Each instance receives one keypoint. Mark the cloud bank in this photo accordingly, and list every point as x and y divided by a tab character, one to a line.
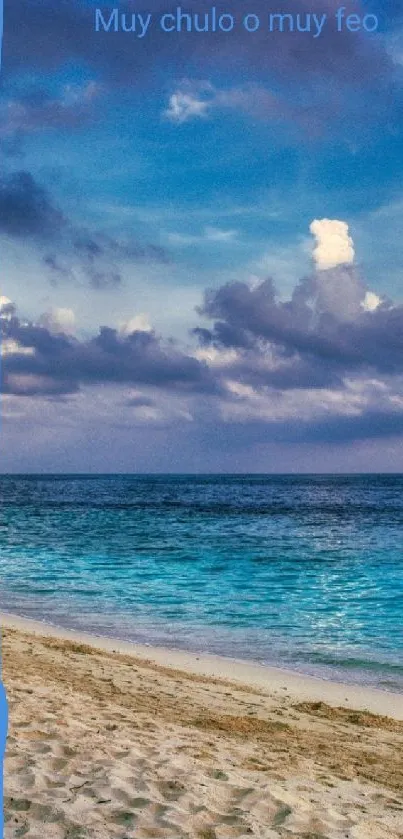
324	365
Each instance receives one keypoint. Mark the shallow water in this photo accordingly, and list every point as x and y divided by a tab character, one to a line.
305	572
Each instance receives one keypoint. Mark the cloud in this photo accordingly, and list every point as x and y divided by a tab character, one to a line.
59	320
6	305
54	35
371	301
308	79
35	109
334	246
184	106
44	359
208	235
200	99
303	369
305	337
69	250
331	325
138	323
25	208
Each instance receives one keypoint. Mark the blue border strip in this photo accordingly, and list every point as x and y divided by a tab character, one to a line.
1	27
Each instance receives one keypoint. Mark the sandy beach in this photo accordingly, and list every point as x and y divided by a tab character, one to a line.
108	739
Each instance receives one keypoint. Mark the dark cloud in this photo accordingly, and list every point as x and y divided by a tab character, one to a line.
55	33
320	336
370	424
27	211
44	386
56	363
310	369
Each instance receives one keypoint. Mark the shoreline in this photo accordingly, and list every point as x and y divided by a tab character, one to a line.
298	687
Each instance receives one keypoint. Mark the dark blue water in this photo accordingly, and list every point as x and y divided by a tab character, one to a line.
305	572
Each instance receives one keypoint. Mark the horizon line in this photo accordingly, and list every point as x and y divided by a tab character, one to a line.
198	474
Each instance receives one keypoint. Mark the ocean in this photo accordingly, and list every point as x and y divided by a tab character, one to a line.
302	572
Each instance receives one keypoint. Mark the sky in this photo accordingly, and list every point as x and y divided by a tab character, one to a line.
201	241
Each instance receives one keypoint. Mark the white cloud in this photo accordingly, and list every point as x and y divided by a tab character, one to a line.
10	347
209	234
4	302
80	95
215	357
186	106
59	320
371	301
215	234
275	406
334	246
139	323
197	99
352	400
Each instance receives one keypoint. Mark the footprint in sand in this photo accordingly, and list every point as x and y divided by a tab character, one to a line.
58	764
17	804
139	803
171	790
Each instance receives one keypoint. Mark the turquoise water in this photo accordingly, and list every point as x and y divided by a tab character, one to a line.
303	572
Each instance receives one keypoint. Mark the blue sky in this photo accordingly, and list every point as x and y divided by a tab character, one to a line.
138	175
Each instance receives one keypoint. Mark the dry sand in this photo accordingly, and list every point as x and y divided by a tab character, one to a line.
107	744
